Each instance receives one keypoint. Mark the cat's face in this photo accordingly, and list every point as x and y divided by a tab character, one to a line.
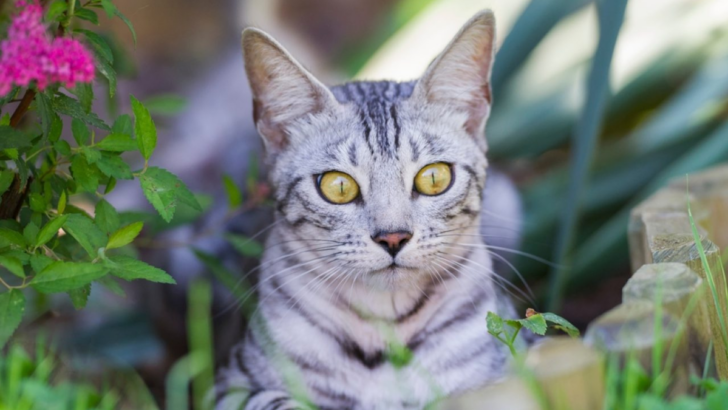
379	180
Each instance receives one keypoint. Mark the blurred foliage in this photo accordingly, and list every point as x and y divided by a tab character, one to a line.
667	119
42	381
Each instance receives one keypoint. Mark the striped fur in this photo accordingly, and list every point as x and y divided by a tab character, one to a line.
333	303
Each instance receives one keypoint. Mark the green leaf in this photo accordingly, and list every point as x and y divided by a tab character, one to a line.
128	24
6	179
100	46
43	106
117	143
30	232
92	155
399	355
39	262
146	132
128	268
494	324
66	105
561	324
123	125
63	147
114	166
234	195
165	104
124	235
246	246
10	237
109	73
107	219
108	7
62	200
88	15
13	265
12	307
37	202
536	323
23	172
109	282
12	138
163	189
63	276
56	10
81	133
83	174
85	94
79	296
5	120
56	128
85	232
110	185
50	230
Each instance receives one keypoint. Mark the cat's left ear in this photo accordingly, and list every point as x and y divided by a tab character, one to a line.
460	76
283	91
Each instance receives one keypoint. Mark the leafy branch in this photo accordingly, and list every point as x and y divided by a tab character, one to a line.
507	330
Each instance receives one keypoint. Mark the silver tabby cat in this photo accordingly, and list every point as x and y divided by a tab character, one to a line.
376	244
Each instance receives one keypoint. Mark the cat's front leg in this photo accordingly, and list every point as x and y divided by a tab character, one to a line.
261	400
273	400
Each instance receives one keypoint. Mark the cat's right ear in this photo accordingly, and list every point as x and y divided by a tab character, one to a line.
283	91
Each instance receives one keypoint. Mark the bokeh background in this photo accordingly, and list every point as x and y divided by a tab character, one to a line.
665	115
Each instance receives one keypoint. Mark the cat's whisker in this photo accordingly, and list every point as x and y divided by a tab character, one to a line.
500	217
294	296
264	264
501	258
304	240
508	250
243	298
502	283
455	277
296	277
529	296
263	230
261	265
434	272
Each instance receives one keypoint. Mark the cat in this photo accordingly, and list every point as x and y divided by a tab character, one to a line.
375	281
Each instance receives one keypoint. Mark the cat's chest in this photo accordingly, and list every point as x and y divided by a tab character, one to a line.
405	382
384	372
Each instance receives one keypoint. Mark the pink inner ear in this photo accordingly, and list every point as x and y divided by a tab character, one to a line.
273	133
478	107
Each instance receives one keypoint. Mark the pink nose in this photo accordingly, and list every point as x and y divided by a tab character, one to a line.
392	242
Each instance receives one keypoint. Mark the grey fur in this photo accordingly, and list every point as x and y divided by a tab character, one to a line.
332	302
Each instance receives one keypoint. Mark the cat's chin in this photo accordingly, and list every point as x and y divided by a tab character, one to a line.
393	277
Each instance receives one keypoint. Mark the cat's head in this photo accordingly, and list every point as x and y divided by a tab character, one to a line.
377	179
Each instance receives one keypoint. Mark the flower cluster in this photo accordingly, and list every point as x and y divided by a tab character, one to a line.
30	54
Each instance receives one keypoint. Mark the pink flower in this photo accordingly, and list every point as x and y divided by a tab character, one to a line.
30	54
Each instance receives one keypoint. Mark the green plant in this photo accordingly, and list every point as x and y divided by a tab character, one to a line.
39	381
49	242
711	277
506	330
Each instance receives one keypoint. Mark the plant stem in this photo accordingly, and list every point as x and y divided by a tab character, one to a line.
71	8
22	108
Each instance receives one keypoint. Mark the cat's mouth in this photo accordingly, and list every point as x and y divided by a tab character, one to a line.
393	268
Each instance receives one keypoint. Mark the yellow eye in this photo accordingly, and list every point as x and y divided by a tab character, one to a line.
338	188
433	179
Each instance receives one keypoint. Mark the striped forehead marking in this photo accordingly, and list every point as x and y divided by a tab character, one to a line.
377	102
